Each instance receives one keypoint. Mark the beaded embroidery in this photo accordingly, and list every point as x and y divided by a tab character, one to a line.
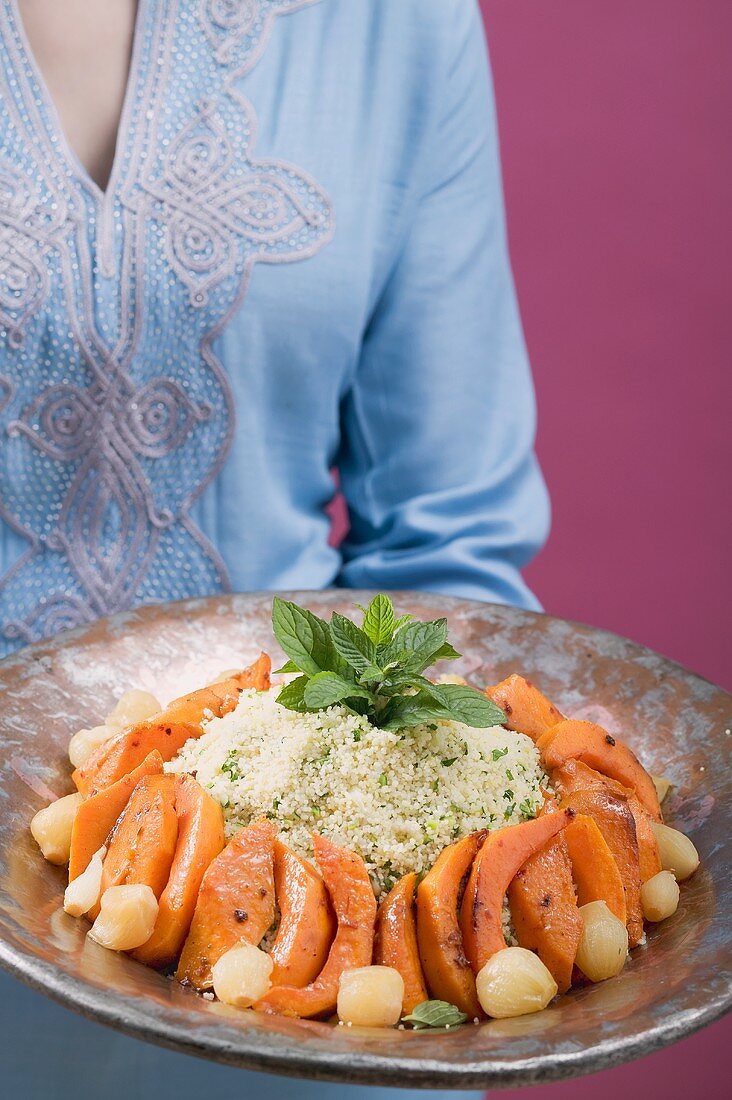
106	441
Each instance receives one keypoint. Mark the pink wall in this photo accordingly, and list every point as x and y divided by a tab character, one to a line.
615	119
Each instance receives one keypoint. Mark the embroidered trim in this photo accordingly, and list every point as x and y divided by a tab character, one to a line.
214	196
239	29
100	472
28	226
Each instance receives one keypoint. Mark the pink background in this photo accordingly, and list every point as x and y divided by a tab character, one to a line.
615	119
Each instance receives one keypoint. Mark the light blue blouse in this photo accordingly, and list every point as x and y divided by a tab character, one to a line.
299	263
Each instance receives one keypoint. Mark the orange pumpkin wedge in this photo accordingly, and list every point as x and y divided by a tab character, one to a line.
352	897
526	709
143	841
97	814
544	909
220	697
500	857
167	732
575	776
594	869
594	746
200	840
615	822
649	858
396	940
236	903
441	950
307	922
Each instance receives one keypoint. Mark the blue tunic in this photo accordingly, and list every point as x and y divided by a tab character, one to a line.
299	263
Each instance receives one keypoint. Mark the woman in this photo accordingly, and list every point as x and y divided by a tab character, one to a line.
245	241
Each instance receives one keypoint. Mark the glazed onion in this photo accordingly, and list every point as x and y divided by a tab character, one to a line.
127	917
370	996
51	828
81	894
514	982
677	852
660	896
242	975
603	947
86	741
132	707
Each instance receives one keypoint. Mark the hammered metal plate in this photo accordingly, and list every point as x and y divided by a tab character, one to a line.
678	724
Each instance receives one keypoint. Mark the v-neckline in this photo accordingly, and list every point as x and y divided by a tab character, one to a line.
53	118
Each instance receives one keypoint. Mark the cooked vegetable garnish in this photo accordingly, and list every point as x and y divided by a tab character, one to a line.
515	852
375	669
434	1014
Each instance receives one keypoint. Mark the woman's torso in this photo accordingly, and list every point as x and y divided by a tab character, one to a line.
173	352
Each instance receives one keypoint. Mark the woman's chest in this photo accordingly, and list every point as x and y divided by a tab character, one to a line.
82	49
241	182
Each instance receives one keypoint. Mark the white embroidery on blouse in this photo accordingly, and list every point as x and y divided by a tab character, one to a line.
115	412
238	29
28	226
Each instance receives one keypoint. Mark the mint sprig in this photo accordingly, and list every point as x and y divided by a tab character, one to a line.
375	669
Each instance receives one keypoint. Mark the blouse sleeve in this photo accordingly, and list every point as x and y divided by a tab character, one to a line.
437	462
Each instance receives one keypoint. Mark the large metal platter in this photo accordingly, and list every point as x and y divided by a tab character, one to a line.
677	723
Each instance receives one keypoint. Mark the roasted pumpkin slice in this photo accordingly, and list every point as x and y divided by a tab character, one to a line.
441	950
649	859
594	870
200	840
576	776
98	814
500	857
167	732
526	709
615	821
236	903
352	897
594	746
544	909
143	841
396	940
221	697
125	752
307	921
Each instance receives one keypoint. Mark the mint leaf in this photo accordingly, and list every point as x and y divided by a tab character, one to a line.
289	666
378	620
423	640
415	645
397	682
304	637
402	622
308	638
435	1014
292	695
353	645
411	710
446	653
471	707
371	672
327	688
